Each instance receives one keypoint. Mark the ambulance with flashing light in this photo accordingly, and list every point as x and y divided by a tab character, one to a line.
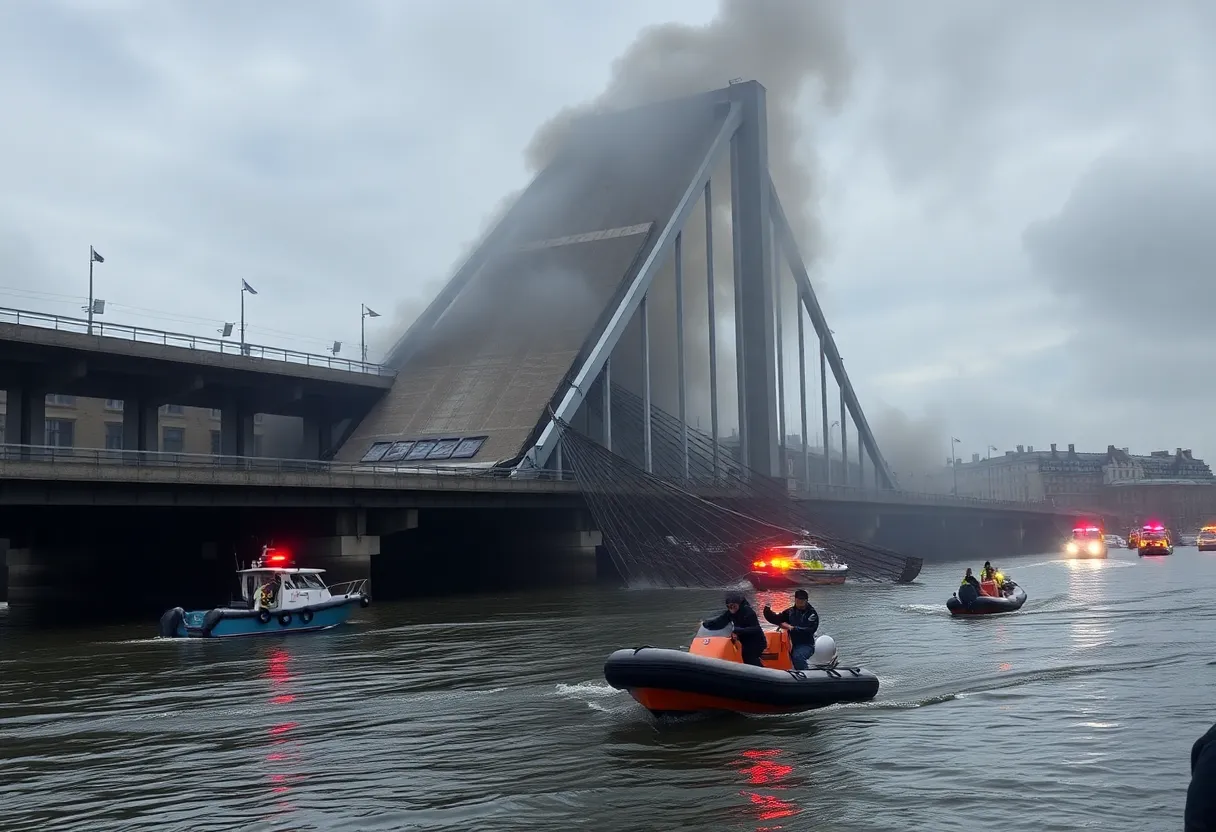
1155	540
1087	541
1206	541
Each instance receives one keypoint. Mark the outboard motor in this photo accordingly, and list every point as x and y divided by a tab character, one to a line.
825	652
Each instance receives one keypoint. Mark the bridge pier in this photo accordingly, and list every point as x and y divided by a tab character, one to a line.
25	415
63	583
236	429
140	424
345	555
318	435
477	550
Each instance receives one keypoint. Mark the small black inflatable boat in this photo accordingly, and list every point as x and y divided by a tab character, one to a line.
986	604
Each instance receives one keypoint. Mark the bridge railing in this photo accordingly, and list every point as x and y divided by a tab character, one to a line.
126	332
878	494
117	458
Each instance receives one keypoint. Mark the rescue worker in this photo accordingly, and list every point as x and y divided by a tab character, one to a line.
1200	812
800	621
968	578
986	574
268	596
747	631
968	590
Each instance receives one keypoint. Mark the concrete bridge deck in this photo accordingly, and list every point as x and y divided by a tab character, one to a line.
60	476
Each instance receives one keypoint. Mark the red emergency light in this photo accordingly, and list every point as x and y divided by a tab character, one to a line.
275	557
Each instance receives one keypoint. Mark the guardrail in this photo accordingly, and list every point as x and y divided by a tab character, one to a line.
126	332
105	457
877	494
109	459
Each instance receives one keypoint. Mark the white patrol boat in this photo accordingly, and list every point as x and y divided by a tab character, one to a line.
276	597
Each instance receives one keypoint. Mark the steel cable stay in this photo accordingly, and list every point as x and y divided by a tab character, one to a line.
660	528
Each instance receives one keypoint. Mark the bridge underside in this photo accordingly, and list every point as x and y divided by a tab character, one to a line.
652	255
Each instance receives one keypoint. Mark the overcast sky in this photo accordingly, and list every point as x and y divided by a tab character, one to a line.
1013	196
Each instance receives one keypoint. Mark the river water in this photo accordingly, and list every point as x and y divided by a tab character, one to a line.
487	712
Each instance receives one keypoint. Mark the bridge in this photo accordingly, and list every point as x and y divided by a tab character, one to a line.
146	368
648	280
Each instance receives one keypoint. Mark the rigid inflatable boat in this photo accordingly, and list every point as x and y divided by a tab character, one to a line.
987	604
711	676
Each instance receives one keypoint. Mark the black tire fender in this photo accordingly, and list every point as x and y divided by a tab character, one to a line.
264	616
365	601
284	618
306	615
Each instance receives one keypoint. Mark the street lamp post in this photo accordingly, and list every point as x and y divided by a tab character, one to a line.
954	463
245	287
94	257
367	313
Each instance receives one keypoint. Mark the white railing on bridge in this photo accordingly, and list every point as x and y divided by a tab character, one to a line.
106	457
165	338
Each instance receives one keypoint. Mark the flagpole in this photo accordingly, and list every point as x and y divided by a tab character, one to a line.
242	317
90	290
363	332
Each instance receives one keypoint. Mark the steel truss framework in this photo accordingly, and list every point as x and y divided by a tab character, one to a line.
764	247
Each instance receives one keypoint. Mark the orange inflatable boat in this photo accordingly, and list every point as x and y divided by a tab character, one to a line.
711	676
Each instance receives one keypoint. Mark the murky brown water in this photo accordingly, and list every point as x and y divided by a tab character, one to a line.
492	713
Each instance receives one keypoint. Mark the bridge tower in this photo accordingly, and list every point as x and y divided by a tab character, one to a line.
605	298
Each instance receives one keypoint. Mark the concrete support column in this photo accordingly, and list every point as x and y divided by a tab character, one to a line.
346	555
25	416
236	430
318	436
48	585
140	425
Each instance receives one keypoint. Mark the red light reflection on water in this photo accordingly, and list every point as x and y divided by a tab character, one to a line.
283	748
761	769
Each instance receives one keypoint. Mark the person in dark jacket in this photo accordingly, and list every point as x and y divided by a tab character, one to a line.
1200	813
800	621
747	627
968	578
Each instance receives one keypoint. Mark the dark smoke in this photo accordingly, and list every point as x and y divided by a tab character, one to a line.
915	448
407	310
797	50
790	46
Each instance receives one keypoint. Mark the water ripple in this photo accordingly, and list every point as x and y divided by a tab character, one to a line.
492	712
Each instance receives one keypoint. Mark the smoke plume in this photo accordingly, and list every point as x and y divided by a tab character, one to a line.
791	47
915	448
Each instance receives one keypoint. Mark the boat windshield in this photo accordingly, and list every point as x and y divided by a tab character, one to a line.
309	582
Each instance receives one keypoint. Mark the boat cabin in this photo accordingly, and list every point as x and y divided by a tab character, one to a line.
281	588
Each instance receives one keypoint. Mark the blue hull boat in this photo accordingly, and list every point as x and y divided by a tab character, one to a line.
229	622
275	599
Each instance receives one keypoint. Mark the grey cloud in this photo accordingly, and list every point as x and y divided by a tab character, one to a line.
977	81
1132	252
1134	234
